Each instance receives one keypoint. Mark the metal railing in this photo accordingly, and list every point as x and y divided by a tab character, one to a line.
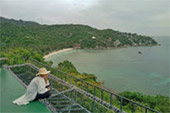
25	78
88	86
80	91
3	61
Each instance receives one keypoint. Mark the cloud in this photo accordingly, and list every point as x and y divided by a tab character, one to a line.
148	17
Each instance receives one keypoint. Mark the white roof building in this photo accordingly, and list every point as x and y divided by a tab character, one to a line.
93	37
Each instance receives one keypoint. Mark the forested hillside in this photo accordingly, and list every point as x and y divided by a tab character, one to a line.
47	38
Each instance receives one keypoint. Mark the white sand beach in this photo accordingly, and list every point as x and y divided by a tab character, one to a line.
56	52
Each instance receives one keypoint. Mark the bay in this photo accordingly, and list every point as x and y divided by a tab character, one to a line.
124	69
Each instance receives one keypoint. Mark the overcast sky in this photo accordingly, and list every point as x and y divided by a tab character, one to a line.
146	17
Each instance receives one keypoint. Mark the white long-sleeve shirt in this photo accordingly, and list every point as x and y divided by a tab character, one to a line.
37	85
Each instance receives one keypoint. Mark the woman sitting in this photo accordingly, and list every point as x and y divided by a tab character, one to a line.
37	89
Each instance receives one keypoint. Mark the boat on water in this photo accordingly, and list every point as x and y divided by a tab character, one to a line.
139	52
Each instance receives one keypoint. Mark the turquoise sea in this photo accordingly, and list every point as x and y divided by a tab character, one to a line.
124	69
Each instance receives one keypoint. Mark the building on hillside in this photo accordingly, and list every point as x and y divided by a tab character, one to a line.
93	37
77	46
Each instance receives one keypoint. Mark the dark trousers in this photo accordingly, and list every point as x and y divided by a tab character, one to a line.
41	96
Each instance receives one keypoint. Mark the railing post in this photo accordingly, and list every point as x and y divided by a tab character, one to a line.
71	94
87	87
75	95
61	87
110	99
94	91
146	110
61	76
133	110
62	84
75	91
121	103
51	83
65	77
70	77
102	94
76	82
57	73
16	60
81	84
93	106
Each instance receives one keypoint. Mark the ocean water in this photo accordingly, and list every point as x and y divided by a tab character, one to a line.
124	69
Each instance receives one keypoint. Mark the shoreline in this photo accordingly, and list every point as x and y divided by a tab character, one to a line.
69	49
56	52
